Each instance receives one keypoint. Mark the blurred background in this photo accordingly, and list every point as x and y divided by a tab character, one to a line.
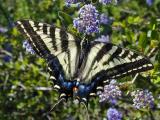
25	89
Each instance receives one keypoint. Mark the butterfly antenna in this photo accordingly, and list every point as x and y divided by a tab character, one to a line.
59	101
86	109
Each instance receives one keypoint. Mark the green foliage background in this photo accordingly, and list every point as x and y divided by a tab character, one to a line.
25	89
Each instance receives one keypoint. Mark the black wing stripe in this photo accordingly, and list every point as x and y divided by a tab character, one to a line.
103	51
125	53
115	54
125	69
129	68
90	60
64	40
22	29
64	47
104	76
36	39
93	65
52	34
45	31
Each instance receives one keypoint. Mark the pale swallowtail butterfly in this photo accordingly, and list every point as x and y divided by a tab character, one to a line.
77	69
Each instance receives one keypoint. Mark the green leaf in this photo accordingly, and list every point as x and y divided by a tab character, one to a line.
154	43
65	18
143	40
156	81
154	34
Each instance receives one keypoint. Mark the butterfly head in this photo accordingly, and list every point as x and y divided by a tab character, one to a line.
80	92
75	91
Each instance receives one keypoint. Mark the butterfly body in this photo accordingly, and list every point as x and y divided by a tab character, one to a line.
80	68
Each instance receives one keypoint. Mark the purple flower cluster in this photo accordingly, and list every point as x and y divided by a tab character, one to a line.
113	114
69	2
3	29
7	58
104	19
111	93
142	99
149	2
28	47
105	1
88	20
103	38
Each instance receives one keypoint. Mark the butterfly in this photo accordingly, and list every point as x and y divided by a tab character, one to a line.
79	68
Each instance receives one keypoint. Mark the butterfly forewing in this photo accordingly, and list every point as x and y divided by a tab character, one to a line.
110	61
48	39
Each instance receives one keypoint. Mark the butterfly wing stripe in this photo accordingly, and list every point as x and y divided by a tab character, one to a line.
45	29
125	53
101	53
90	60
52	35
35	39
118	73
64	40
103	77
67	47
22	30
125	69
105	58
64	47
71	56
